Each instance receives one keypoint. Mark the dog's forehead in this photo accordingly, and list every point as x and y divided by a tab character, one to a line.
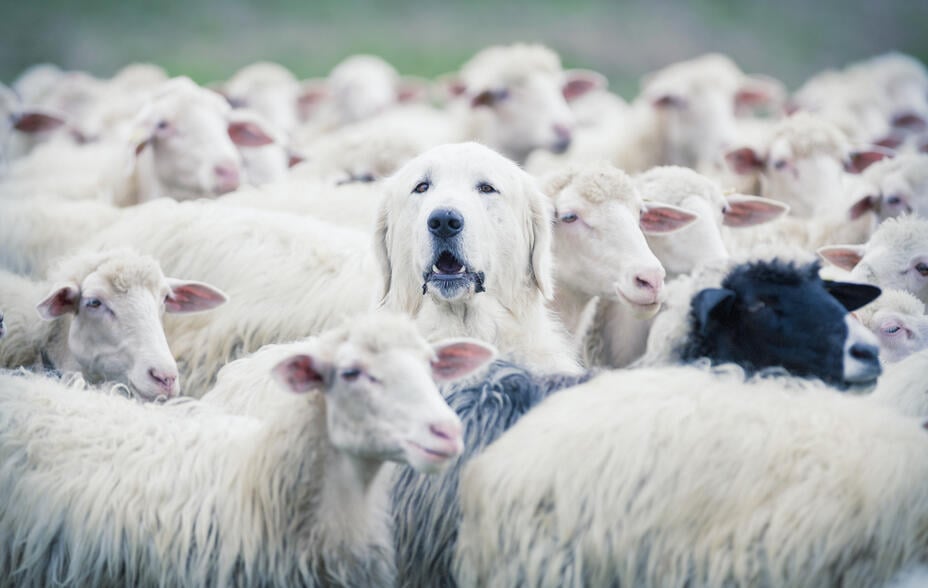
466	162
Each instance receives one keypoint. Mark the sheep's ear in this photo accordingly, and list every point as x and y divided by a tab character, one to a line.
864	205
745	161
541	257
294	158
302	373
382	250
845	257
851	295
668	102
187	296
32	122
62	300
312	93
248	134
579	82
759	90
663	219
711	302
860	159
909	122
747	211
412	89
457	358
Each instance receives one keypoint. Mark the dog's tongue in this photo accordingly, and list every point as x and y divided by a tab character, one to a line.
447	264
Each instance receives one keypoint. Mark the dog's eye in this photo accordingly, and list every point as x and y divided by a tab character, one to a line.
421	187
922	268
485	188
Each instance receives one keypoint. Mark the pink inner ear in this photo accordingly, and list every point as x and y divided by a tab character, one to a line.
248	134
657	219
668	101
192	297
745	161
861	160
62	301
36	122
845	258
747	211
578	84
298	374
863	206
141	146
294	159
456	360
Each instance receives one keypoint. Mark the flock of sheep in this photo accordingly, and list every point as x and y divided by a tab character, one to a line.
274	332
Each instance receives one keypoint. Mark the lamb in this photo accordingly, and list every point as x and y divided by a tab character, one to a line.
899	321
180	145
425	508
487	279
694	477
202	497
102	317
896	256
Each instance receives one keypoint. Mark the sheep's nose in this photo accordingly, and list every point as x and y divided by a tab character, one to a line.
227	178
165	380
445	222
650	281
563	138
865	353
450	431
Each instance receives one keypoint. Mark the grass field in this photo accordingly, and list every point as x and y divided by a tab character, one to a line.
209	39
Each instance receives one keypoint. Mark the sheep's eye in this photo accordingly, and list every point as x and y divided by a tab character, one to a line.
93	303
163	124
893	200
757	306
351	374
892	329
485	188
366	178
421	187
569	217
922	268
779	164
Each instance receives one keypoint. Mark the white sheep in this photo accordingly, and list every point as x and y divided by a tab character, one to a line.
899	321
681	476
269	89
903	386
624	336
100	314
899	186
180	144
896	256
203	497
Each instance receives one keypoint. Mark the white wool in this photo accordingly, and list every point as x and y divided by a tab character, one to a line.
682	476
204	497
903	385
892	256
269	89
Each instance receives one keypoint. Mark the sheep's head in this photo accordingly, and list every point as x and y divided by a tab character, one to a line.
771	314
899	321
115	301
379	378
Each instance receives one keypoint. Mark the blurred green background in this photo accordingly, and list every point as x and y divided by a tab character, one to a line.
210	39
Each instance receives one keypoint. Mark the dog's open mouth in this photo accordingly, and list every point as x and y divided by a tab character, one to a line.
450	277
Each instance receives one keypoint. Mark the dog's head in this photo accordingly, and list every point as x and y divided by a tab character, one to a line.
460	220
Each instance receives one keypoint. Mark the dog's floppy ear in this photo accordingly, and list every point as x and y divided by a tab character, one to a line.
381	252
541	257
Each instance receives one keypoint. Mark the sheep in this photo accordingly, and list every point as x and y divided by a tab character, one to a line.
623	335
599	244
768	313
25	126
425	508
682	476
899	321
896	256
179	145
202	497
269	89
489	280
102	317
900	186
903	386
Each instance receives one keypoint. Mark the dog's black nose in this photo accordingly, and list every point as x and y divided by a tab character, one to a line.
445	222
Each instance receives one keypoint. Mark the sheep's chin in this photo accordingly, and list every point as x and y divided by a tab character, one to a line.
425	458
641	311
